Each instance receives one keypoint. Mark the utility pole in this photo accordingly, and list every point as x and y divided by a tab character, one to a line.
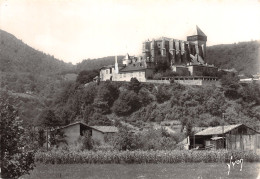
47	141
223	121
194	140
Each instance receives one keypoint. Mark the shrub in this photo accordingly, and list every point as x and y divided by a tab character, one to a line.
157	76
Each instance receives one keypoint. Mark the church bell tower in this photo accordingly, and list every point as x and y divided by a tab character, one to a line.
198	39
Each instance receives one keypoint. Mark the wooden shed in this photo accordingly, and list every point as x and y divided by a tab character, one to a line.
231	137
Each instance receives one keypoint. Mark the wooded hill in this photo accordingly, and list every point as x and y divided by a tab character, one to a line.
16	56
94	64
243	56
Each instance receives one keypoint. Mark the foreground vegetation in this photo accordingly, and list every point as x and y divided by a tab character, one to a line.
151	171
137	157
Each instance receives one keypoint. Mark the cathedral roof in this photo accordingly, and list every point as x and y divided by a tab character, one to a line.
197	31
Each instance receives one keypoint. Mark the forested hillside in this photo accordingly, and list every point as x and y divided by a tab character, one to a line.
24	69
16	56
93	64
243	56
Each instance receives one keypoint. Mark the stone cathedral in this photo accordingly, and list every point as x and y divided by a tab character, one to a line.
177	52
186	58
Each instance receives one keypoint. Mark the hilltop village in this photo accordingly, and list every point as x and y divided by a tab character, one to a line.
186	60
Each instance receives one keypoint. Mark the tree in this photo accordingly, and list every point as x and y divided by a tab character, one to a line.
106	95
230	84
162	94
86	76
16	160
134	85
99	119
125	140
127	103
49	119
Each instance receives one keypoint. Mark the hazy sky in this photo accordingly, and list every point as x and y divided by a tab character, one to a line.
73	30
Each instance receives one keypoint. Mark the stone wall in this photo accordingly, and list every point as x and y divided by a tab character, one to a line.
198	82
139	75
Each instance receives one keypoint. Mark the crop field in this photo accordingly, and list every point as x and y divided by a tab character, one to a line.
150	171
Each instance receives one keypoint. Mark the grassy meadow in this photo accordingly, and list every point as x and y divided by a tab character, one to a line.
151	171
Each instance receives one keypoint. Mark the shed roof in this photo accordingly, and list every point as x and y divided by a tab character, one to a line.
217	130
106	129
77	122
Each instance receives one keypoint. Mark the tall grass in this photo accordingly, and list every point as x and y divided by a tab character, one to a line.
138	156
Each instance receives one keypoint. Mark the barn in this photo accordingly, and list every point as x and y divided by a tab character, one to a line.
231	137
72	132
102	133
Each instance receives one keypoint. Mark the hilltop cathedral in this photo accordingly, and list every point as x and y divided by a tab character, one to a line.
187	58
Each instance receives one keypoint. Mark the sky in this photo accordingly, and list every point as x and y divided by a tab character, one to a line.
73	30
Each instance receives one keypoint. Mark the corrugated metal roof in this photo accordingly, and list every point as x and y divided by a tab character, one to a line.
106	129
217	130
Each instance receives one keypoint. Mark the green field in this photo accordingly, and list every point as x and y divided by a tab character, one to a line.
154	171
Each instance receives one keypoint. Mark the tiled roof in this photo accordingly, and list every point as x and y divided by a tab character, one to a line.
217	130
108	66
112	66
106	129
132	68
